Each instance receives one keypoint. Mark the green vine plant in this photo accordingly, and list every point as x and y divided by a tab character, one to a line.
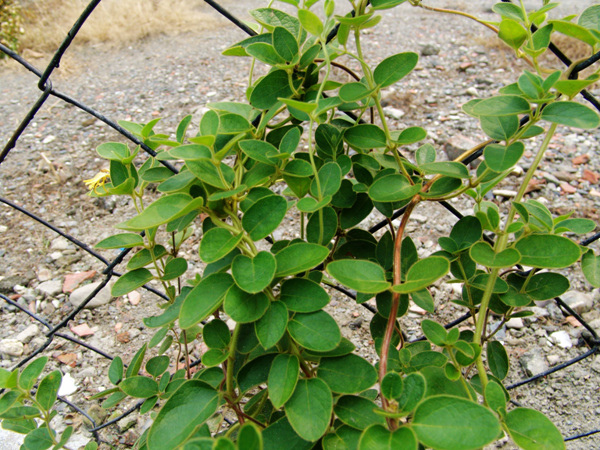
284	375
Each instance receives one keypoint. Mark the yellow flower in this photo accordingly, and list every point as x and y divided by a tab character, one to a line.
98	180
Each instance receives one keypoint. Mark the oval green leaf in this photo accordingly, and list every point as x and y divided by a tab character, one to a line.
454	423
571	114
379	437
501	105
189	407
316	331
217	243
303	295
309	409
531	430
547	251
348	374
204	299
264	216
362	276
483	253
254	274
271	327
243	307
422	274
392	188
394	68
123	240
131	281
365	136
299	257
283	377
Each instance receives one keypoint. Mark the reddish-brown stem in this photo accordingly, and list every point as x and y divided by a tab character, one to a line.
391	323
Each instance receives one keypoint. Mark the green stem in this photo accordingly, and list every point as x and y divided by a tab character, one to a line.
231	362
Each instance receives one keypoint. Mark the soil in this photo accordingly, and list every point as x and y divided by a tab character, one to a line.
171	76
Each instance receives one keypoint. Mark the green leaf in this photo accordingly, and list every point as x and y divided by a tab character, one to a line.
269	89
454	423
298	258
285	43
217	243
410	135
386	4
483	253
365	136
353	92
48	389
434	332
174	269
30	374
500	128
303	295
281	431
422	274
114	151
145	257
260	151
497	359
500	158
139	387
38	439
357	412
447	168
188	407
510	11
466	232
254	274
249	438
495	397
512	32
188	152
590	266
571	114
216	334
316	331
547	285
394	68
265	52
271	327
578	226
547	251
423	299
157	366
392	188
501	105
330	180
362	276
136	362
392	385
243	307
255	372
204	299
131	281
573	30
264	216
322	226
425	154
309	409
283	377
310	22
531	430
571	88
220	176
123	240
379	437
115	371
163	210
348	374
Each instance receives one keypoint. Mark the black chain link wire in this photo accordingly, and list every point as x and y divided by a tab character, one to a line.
54	331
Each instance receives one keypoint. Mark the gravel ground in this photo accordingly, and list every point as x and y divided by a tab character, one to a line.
170	77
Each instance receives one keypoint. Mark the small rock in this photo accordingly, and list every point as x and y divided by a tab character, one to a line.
7	284
11	347
126	423
591	177
533	362
430	50
580	302
393	113
457	145
82	330
506	193
553	359
515	322
80	294
3	228
50	288
68	385
134	298
581	159
60	243
97	413
56	256
473	91
44	274
87	372
28	333
567	188
561	338
72	280
48	139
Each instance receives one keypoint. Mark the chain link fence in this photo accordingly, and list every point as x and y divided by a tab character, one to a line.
58	330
